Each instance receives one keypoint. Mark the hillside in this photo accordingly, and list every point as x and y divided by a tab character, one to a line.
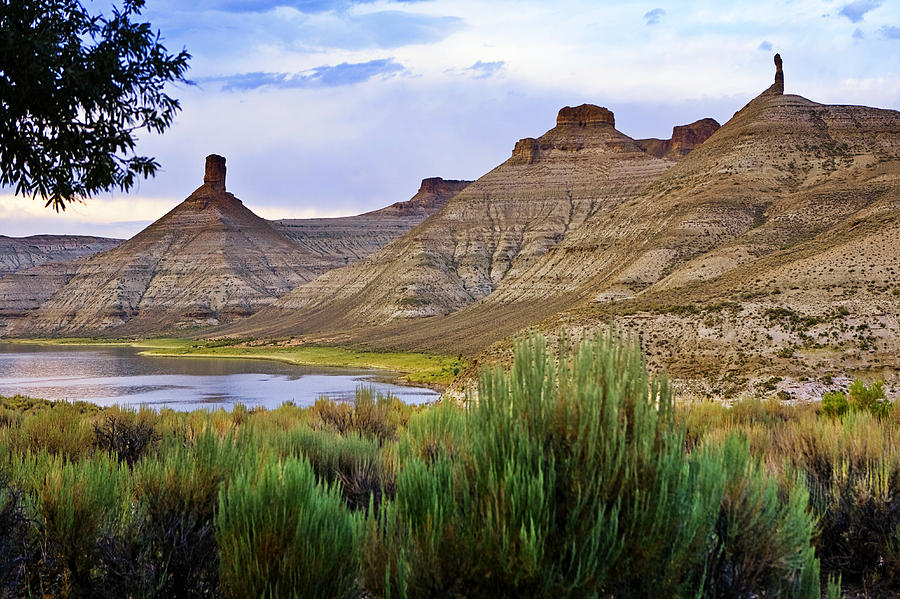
207	262
496	229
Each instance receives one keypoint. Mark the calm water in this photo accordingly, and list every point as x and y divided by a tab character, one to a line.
119	375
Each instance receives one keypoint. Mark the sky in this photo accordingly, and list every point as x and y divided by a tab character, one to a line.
337	107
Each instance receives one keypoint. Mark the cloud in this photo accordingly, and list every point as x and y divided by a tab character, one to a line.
483	70
227	36
323	76
390	29
766	45
858	34
890	32
856	11
251	6
653	16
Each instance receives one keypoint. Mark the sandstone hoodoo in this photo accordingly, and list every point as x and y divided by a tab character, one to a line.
208	261
777	88
684	139
214	178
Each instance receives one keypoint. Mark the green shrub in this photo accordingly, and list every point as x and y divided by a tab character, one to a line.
282	535
77	504
357	462
835	404
762	541
369	415
174	537
59	430
567	486
17	547
871	398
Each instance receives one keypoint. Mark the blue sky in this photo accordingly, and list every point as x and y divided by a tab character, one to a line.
333	107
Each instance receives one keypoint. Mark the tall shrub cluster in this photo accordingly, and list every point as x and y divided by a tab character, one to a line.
572	481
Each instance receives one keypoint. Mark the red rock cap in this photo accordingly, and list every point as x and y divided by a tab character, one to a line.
215	172
586	114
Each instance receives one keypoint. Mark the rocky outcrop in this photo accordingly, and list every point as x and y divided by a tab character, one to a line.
208	261
20	253
684	139
433	193
525	151
585	115
340	241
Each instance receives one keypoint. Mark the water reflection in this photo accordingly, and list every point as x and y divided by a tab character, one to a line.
119	375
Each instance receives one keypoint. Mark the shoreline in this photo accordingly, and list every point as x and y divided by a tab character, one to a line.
433	371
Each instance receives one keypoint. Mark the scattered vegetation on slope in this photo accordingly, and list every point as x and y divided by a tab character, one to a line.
575	477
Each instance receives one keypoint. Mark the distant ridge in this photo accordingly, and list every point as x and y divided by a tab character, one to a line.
19	253
340	241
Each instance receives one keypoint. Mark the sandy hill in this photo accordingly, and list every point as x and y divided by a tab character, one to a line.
495	230
209	260
19	253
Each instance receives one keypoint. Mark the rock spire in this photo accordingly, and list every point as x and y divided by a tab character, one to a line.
776	88
215	172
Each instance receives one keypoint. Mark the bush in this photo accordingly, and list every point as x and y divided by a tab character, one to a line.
126	436
567	486
357	462
834	404
368	416
17	548
761	539
78	503
282	535
59	430
871	398
174	538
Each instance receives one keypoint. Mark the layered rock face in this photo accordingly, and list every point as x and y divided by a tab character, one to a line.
496	228
340	241
685	138
759	184
208	261
20	253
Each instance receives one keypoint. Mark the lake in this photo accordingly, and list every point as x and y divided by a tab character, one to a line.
121	376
